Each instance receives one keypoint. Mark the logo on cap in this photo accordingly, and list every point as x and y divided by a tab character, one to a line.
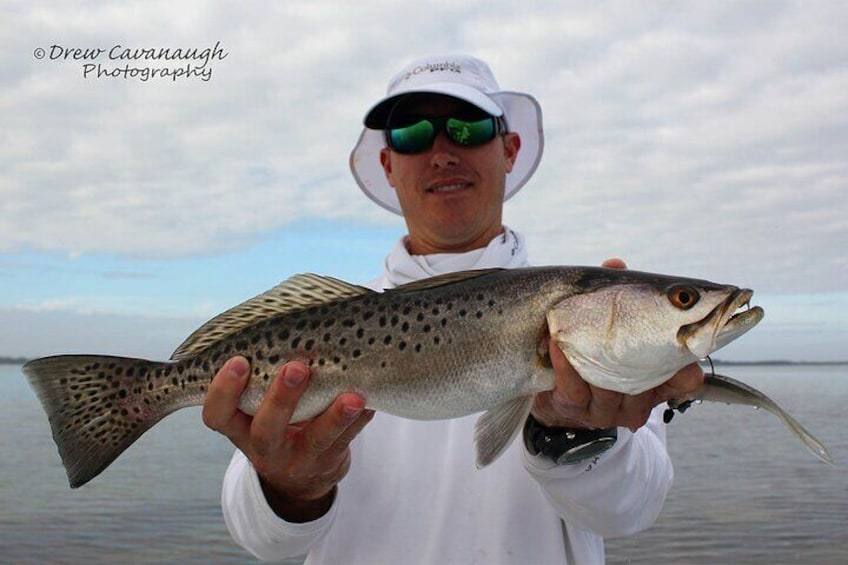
447	66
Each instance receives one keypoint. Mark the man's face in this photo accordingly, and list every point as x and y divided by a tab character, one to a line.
451	196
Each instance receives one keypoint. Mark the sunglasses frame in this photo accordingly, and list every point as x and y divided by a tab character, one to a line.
440	125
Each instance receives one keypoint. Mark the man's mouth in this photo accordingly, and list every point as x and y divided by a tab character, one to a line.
448	187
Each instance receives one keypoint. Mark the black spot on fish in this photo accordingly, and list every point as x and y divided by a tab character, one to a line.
329	322
387	340
462	312
309	344
417	348
273	359
383	321
426	328
314	324
360	333
284	335
295	342
356	353
402	345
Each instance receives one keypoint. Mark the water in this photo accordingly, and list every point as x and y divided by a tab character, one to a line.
745	491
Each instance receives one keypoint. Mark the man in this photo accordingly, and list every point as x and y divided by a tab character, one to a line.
445	148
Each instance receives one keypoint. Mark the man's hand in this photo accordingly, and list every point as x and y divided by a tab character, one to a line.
574	403
299	464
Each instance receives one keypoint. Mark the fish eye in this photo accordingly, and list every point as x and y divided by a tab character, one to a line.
683	296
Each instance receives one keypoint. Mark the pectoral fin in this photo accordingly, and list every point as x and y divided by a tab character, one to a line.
496	429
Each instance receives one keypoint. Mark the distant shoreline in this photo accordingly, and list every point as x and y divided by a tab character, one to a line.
716	362
13	360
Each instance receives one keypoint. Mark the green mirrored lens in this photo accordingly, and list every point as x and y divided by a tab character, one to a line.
414	138
470	133
419	136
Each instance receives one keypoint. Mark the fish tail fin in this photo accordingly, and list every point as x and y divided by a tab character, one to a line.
97	407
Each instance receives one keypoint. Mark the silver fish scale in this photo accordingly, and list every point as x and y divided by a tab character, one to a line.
426	354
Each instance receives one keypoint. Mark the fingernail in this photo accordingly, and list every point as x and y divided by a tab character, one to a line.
352	412
238	367
294	376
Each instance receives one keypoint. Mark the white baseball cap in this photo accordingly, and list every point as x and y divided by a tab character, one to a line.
463	77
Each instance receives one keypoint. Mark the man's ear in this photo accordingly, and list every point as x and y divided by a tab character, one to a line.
386	163
512	145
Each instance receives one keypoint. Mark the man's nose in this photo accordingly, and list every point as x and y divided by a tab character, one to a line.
443	152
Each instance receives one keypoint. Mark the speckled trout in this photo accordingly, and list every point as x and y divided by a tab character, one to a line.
439	348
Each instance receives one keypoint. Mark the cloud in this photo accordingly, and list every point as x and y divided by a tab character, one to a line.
700	139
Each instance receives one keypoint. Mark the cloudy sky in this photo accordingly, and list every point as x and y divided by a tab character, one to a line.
705	139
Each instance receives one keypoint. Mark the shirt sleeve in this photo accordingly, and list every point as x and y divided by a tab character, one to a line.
254	525
618	493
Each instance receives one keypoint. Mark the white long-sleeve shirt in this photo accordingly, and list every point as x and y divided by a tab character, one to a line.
414	495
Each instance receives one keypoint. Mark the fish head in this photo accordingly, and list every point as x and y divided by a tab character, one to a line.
633	334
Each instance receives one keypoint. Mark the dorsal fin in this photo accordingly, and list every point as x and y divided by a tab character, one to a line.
296	293
442	280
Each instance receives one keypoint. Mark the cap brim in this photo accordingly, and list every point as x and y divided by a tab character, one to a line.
378	115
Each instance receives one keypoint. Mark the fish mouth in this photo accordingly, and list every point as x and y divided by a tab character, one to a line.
726	322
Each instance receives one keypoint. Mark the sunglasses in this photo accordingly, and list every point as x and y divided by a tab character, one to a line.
419	136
